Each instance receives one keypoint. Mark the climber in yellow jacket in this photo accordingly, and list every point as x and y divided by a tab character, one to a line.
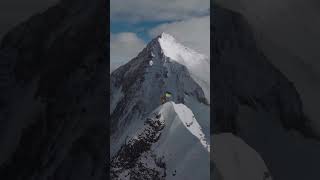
164	98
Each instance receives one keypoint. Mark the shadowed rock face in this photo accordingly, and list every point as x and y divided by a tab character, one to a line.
256	102
143	86
243	75
129	161
53	101
288	36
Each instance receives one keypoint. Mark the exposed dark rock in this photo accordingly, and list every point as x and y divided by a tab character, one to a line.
55	115
142	86
127	160
256	102
243	75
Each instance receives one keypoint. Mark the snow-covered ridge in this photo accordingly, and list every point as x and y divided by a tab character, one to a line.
168	146
198	64
190	122
149	137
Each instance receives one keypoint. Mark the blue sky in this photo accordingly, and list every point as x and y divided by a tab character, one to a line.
135	22
140	28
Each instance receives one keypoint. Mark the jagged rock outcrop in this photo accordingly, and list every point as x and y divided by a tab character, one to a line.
134	157
53	124
169	145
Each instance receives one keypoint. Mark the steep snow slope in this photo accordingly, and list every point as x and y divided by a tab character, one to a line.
189	121
235	160
197	64
288	154
171	145
137	86
154	141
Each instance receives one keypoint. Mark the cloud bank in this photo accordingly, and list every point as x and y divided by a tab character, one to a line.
146	10
123	47
187	20
193	33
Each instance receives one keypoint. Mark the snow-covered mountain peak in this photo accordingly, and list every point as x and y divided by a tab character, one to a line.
164	133
167	36
163	55
176	51
170	50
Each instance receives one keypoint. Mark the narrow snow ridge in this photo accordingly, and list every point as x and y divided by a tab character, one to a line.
189	121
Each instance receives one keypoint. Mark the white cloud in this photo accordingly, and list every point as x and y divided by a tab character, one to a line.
123	47
193	33
142	10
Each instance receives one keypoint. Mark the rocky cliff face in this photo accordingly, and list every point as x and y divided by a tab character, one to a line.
137	86
243	75
170	145
255	101
53	94
288	36
152	140
135	159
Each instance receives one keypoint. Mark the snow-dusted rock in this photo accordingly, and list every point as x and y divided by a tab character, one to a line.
172	151
136	87
164	148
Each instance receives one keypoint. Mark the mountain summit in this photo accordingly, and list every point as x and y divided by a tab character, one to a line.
197	64
164	67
